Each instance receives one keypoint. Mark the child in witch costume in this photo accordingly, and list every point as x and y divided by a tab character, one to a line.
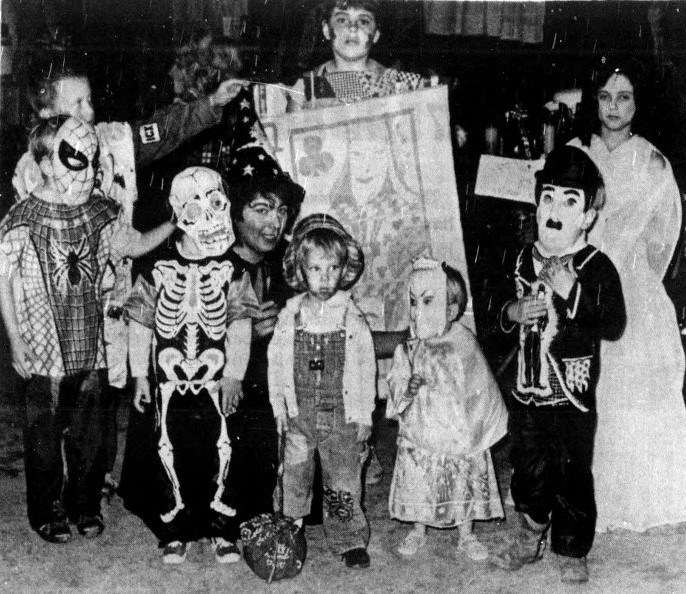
568	298
450	412
265	202
322	382
195	314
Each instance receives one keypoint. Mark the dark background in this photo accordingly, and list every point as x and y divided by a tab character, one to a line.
128	48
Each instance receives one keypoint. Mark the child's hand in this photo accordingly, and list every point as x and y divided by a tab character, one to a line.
226	91
281	423
559	277
232	394
141	394
264	320
416	382
527	310
22	357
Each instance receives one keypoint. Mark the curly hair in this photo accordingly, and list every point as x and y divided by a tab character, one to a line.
281	186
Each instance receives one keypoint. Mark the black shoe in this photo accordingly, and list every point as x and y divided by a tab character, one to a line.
57	532
357	558
528	547
90	526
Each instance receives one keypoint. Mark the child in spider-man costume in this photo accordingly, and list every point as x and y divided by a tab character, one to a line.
54	247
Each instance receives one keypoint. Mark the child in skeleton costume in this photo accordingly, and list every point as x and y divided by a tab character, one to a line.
450	412
568	298
54	247
197	320
322	382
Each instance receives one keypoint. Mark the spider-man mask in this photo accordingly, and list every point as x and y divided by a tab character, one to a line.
202	209
74	160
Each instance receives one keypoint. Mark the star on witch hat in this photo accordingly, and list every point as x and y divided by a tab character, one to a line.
252	165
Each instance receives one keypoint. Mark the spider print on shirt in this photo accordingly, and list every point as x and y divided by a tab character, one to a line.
72	265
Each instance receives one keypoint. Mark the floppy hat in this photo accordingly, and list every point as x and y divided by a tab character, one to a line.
354	261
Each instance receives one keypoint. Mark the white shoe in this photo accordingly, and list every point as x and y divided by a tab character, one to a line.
472	548
175	552
224	550
414	541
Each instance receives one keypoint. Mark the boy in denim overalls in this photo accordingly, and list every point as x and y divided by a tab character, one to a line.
322	382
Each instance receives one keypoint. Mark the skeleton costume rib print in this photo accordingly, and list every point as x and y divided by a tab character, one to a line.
190	302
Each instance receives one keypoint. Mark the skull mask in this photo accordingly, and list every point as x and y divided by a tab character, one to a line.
428	299
74	160
202	209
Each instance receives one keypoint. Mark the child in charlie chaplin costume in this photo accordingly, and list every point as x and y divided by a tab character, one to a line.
568	298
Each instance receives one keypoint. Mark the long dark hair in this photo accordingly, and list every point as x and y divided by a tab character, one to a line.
588	109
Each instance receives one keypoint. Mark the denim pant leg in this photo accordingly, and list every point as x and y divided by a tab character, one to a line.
345	524
298	465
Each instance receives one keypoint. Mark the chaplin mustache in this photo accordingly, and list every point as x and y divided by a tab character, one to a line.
553	224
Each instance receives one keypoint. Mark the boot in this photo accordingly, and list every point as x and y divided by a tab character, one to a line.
573	570
528	547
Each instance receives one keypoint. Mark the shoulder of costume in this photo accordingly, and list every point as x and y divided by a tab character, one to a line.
19	214
318	70
293	304
239	264
585	255
594	257
460	330
105	205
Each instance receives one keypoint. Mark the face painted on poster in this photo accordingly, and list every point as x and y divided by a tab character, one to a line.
202	209
428	301
369	161
75	160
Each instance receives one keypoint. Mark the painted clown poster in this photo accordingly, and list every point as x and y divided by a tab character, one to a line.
384	168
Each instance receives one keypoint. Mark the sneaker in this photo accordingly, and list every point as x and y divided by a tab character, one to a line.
224	550
357	558
573	570
472	548
174	552
57	532
414	541
90	526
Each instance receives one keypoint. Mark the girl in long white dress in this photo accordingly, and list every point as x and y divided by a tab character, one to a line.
640	454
